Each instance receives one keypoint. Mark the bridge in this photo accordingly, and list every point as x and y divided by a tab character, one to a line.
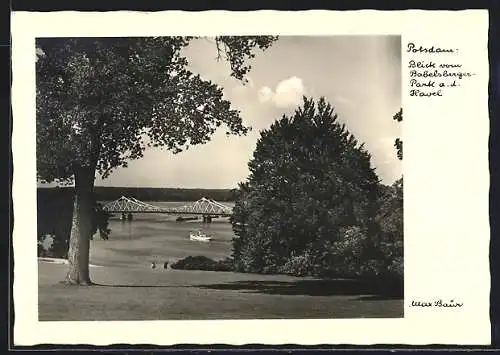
205	207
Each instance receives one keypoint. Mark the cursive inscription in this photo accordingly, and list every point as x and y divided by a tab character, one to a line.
437	304
413	48
433	76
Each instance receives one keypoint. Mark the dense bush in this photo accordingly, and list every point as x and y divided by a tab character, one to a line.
298	265
203	263
390	221
54	218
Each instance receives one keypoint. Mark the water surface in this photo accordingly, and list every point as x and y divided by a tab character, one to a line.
156	236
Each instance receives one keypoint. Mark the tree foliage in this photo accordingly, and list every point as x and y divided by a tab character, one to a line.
102	101
398	144
390	218
310	180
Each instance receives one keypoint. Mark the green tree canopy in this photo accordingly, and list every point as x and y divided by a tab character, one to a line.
309	181
102	101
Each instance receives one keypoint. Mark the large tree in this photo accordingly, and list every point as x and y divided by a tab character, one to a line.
102	101
310	181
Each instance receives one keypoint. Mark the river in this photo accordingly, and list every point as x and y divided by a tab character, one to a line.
159	237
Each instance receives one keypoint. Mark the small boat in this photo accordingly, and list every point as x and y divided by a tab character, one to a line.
199	236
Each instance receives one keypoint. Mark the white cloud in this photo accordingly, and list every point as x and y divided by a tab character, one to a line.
288	93
265	94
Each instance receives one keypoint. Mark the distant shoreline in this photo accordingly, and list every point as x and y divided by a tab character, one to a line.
156	194
51	186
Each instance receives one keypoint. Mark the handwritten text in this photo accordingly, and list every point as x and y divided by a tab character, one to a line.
436	304
431	76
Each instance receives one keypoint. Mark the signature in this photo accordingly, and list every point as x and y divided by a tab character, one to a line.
438	304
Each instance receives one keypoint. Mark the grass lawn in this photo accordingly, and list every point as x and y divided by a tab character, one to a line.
130	290
139	293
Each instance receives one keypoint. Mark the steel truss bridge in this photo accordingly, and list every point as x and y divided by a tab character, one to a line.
204	206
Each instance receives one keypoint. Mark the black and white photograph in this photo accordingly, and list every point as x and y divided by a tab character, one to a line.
237	178
227	177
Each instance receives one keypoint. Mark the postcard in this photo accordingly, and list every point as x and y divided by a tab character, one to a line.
239	178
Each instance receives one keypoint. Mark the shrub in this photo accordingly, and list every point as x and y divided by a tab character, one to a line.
396	268
203	263
45	246
41	251
390	220
300	265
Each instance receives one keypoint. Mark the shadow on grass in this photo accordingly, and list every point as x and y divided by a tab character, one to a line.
367	290
380	297
139	286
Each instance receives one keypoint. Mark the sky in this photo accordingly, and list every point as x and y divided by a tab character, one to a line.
359	75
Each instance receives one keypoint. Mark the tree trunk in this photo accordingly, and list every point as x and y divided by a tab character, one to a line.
81	228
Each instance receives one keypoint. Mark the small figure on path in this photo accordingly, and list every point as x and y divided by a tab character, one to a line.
165	266
154	261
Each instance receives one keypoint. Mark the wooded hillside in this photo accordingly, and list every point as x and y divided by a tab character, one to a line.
156	194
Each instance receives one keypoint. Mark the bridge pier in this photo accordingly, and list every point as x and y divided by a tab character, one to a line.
126	216
207	219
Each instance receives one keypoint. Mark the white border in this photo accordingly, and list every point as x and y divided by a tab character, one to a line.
446	182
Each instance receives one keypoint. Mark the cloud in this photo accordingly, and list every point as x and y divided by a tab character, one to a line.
265	94
288	93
